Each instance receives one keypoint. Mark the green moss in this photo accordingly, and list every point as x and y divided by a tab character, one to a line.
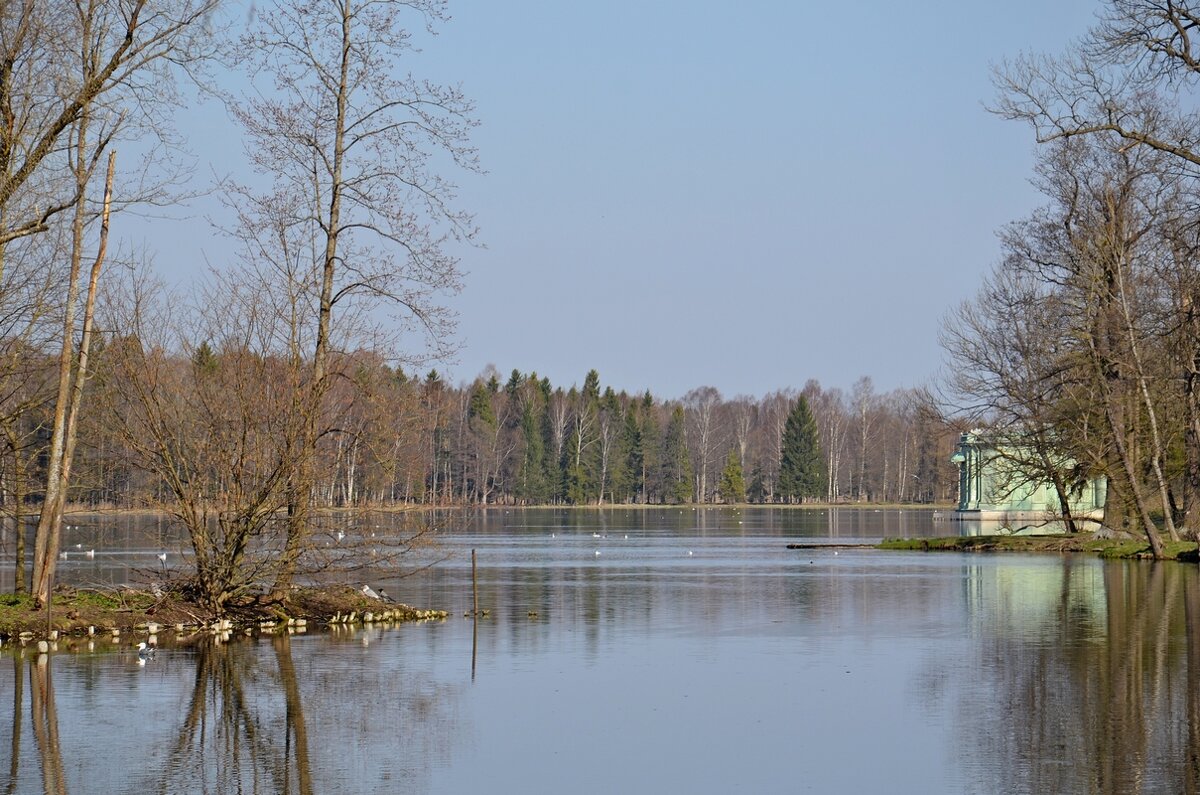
1116	549
93	599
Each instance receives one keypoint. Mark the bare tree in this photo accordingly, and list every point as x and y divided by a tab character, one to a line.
1120	82
701	404
72	375
212	423
351	146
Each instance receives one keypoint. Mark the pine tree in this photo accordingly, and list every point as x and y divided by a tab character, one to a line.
531	481
204	359
635	480
676	463
801	465
757	492
732	487
651	440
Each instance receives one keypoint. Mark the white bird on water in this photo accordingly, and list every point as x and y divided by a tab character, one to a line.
91	553
162	558
145	652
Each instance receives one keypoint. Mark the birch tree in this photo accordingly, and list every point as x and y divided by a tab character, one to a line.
701	404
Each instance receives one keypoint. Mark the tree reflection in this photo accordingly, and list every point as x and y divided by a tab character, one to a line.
43	717
14	765
1093	693
222	740
45	726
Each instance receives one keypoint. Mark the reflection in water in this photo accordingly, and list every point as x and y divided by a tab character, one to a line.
14	764
746	667
1084	679
45	726
226	717
221	743
43	716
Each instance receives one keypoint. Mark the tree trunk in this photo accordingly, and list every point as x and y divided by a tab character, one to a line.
70	391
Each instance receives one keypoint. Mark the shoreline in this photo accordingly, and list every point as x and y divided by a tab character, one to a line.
80	510
1107	548
130	614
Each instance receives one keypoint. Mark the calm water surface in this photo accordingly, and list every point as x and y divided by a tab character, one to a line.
694	653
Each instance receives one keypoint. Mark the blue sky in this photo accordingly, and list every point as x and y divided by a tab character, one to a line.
697	193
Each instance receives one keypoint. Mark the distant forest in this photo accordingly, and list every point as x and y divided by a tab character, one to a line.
394	439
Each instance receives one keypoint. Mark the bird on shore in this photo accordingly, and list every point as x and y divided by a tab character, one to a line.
384	596
369	592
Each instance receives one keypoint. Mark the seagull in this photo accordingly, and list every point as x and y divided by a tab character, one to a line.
91	553
145	652
368	592
689	553
62	555
597	552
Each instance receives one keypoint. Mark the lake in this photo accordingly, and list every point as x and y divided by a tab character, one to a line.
655	651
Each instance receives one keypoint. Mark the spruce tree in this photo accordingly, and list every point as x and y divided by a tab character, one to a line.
757	492
801	465
676	463
531	481
732	487
651	448
635	481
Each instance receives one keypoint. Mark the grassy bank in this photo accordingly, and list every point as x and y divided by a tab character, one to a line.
131	612
1105	548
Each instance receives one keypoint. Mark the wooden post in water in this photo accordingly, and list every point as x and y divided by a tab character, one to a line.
474	588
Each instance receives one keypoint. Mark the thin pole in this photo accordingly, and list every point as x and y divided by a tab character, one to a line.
474	646
474	588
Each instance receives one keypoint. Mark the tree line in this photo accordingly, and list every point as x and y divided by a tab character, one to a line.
391	439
